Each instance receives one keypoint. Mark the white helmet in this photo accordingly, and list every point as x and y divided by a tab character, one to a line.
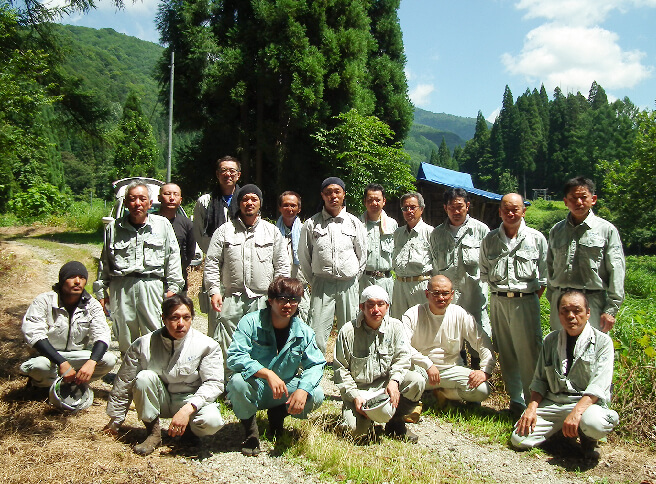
379	408
69	396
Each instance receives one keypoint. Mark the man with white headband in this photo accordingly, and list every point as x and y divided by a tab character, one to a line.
371	354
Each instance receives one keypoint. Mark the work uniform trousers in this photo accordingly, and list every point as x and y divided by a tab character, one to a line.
330	299
136	308
596	300
249	396
406	295
412	387
153	400
386	283
304	305
596	422
454	383
517	337
43	372
234	308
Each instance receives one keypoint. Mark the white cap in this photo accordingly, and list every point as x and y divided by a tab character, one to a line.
374	292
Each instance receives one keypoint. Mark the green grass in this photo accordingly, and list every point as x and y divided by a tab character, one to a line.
542	214
483	422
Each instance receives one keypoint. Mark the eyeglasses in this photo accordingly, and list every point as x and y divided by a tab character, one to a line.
437	294
293	300
409	209
229	171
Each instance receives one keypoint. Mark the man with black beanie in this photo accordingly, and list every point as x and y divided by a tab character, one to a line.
62	325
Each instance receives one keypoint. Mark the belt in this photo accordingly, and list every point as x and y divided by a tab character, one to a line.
139	275
584	291
377	274
514	294
422	277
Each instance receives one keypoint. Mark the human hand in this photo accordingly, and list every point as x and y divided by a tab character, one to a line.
112	427
296	402
526	423
85	373
433	375
606	322
217	302
476	377
169	294
278	386
358	406
180	420
393	391
571	424
67	372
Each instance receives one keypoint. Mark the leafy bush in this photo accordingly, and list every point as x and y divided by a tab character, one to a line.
39	201
82	216
640	281
544	214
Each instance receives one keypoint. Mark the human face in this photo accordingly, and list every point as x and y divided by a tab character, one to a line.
573	314
138	203
284	306
439	294
228	174
333	198
289	208
374	203
249	205
512	210
73	286
170	196
178	322
457	210
374	311
579	201
411	211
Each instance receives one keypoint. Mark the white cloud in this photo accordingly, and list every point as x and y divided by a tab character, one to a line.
572	57
420	94
493	115
408	73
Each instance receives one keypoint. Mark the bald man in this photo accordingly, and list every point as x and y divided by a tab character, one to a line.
170	197
513	262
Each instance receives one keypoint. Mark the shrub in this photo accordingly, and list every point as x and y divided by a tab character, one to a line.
39	201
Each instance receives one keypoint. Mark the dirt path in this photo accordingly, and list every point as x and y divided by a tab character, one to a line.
34	270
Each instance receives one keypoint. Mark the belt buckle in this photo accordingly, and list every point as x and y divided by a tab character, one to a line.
510	294
378	274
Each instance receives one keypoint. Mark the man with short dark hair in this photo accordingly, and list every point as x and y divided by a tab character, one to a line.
455	248
412	256
139	265
62	325
572	382
380	240
244	256
333	254
210	212
513	263
585	252
170	197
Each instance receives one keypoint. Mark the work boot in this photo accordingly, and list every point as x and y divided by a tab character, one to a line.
276	419
589	447
413	416
251	444
153	438
396	427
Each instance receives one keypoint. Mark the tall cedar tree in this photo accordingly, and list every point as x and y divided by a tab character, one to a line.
136	148
257	78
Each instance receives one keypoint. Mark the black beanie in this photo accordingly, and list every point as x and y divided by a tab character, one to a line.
250	188
72	269
333	180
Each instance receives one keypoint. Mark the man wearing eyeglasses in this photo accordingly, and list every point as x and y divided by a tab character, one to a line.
268	349
513	262
211	211
411	257
436	331
244	256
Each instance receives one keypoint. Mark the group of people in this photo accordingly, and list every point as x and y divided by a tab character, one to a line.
410	305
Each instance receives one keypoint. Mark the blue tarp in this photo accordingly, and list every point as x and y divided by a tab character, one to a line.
450	178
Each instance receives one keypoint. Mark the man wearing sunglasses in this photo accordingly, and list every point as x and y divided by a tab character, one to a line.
436	331
268	349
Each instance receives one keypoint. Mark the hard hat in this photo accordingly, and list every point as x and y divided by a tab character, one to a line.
70	396
379	408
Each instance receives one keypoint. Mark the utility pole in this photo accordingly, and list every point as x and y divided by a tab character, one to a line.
168	161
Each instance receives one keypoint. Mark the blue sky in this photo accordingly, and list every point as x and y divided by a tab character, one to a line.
461	54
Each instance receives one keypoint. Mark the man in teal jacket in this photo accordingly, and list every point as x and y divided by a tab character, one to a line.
268	348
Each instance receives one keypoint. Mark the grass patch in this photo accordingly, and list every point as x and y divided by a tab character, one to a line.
485	423
543	214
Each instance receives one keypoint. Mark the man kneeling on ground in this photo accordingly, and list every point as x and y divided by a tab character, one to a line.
60	325
436	331
371	353
268	349
571	386
175	371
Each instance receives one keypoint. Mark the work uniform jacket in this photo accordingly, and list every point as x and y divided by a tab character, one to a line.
412	255
190	365
47	319
380	242
254	347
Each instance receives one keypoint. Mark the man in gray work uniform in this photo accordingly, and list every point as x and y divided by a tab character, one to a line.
585	253
455	248
513	262
380	240
139	264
